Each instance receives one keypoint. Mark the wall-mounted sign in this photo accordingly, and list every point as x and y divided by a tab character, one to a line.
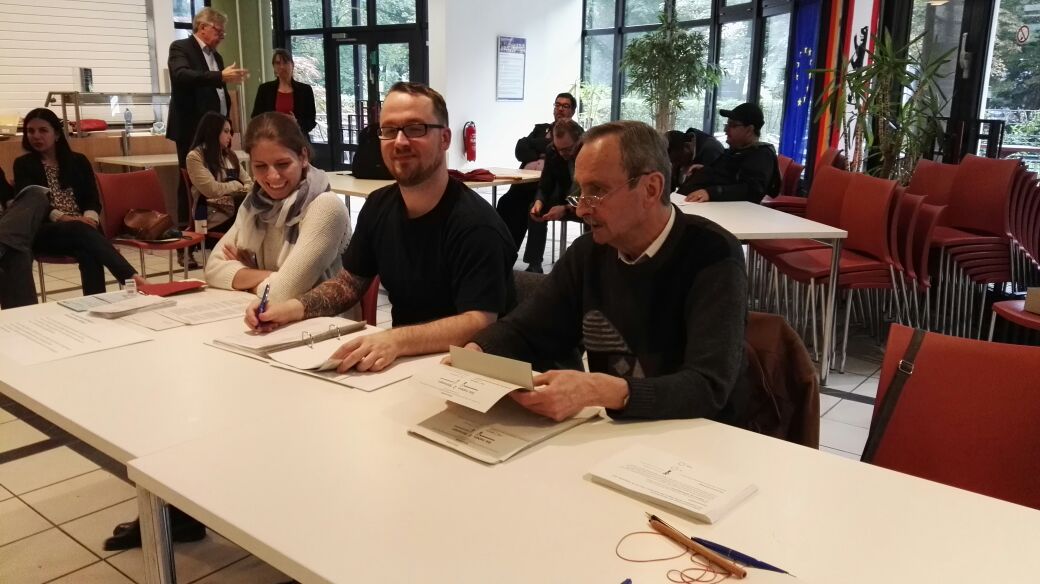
512	58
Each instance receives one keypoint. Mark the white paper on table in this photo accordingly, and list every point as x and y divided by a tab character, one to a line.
153	320
85	303
131	305
684	487
402	368
498	434
49	338
680	200
203	309
474	379
318	356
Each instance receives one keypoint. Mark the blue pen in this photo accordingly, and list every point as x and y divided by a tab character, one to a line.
263	301
734	555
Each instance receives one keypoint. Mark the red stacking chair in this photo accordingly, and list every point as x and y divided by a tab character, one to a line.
866	258
788	202
47	259
370	301
973	245
1013	311
965	415
918	251
933	180
121	192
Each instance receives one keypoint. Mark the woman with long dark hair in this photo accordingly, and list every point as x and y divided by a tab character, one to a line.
218	180
71	227
291	228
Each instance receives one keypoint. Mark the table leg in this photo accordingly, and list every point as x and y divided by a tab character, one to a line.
828	315
494	196
155	539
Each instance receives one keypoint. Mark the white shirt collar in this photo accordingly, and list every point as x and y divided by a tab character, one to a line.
205	50
657	243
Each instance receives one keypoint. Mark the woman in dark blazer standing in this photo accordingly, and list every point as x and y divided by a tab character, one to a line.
286	95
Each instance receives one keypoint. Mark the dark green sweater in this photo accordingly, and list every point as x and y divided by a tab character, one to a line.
672	326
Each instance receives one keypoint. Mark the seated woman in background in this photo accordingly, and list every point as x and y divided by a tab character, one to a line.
285	94
218	181
71	227
291	229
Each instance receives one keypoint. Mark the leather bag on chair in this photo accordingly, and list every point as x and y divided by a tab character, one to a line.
146	225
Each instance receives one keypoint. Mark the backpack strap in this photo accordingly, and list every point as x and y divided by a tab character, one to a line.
888	403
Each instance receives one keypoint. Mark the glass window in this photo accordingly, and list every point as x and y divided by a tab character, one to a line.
309	57
734	58
643	12
633	106
1011	90
692	113
943	23
393	66
597	76
774	75
182	11
352	90
692	9
181	33
349	13
395	11
735	2
304	14
599	13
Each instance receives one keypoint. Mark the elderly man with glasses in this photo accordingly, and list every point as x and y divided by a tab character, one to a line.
443	255
655	296
198	84
746	171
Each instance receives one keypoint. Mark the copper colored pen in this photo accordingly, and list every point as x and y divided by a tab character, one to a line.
677	536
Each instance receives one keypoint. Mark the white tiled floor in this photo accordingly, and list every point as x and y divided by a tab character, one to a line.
57	507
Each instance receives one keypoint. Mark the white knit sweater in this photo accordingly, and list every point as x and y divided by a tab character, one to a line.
324	232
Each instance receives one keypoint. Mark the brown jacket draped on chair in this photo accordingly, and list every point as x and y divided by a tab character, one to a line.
785	394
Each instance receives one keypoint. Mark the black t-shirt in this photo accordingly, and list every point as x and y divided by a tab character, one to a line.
457	257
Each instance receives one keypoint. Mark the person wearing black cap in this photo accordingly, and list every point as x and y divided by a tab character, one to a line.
746	171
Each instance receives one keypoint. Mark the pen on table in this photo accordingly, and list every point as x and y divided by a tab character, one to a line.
736	556
677	536
263	301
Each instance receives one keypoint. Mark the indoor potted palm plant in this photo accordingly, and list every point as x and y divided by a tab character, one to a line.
666	65
890	107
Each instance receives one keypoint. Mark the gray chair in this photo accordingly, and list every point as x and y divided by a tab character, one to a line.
526	283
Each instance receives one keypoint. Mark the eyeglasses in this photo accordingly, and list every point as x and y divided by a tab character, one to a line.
591	200
217	29
734	125
561	105
410	131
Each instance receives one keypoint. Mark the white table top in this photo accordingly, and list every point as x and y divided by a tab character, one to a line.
151	160
748	221
345	184
134	400
343	494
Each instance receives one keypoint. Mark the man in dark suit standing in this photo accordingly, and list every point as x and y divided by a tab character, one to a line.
199	85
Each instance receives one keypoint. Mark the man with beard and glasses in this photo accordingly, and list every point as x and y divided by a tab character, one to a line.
442	252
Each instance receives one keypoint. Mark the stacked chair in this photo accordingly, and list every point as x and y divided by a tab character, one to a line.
788	201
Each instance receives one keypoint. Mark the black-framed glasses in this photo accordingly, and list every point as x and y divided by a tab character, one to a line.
592	199
562	105
410	131
735	125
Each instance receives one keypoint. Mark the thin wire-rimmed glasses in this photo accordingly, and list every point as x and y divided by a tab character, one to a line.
592	200
411	131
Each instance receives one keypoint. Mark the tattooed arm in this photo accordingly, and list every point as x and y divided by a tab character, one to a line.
328	299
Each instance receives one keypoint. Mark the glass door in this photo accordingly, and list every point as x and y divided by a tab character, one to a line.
368	68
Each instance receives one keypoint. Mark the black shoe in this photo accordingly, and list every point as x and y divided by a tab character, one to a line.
535	268
128	535
192	263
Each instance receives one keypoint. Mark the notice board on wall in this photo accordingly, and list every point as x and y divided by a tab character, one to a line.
512	60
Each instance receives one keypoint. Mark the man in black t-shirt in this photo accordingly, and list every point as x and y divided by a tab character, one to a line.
442	253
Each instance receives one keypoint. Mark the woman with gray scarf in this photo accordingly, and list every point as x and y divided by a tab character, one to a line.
291	229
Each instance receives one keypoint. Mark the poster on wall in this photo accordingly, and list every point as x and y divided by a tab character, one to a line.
512	58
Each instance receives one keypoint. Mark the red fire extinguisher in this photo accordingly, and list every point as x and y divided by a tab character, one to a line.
469	141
